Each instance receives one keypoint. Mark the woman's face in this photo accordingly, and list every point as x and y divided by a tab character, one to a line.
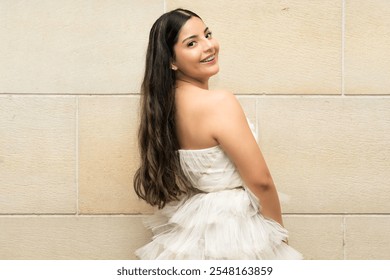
196	52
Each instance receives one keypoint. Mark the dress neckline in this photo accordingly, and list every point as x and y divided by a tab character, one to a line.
200	150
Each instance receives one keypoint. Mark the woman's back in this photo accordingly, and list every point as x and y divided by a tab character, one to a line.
194	120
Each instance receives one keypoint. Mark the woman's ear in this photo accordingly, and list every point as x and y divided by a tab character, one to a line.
173	66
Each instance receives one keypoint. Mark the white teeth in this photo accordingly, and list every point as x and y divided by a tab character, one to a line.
208	59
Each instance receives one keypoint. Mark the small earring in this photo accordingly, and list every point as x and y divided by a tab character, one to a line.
174	68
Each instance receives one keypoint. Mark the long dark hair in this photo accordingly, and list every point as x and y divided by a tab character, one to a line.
159	178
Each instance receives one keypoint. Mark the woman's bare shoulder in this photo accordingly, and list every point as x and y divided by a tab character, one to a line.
223	102
222	95
205	101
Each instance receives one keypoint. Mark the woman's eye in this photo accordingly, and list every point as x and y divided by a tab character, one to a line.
209	35
191	44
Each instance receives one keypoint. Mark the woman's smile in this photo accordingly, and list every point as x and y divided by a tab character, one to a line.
211	59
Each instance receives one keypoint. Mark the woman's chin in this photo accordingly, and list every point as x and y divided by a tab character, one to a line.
214	71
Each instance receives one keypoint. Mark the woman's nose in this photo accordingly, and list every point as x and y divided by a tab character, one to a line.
208	45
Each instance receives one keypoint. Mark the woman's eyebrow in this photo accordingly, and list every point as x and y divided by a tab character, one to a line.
194	36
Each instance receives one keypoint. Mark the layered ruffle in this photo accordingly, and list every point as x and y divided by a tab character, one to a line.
216	225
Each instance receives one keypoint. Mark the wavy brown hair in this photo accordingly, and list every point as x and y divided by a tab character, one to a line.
160	179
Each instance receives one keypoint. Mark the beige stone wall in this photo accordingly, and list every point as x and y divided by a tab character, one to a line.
313	76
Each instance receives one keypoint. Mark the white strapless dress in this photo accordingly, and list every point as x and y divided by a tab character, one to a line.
224	222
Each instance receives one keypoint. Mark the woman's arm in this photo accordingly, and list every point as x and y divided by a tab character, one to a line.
232	131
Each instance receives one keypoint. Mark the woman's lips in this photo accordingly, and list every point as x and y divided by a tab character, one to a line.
209	59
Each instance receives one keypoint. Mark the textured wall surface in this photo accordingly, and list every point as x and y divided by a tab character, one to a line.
313	76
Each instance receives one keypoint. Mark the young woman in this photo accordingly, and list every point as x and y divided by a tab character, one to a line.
200	162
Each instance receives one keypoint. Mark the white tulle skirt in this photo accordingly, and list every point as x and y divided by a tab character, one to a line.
218	225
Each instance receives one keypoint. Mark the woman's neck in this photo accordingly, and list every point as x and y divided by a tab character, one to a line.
185	81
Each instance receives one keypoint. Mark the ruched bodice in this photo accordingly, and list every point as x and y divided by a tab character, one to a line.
209	169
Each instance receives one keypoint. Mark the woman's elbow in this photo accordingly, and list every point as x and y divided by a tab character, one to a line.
264	184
